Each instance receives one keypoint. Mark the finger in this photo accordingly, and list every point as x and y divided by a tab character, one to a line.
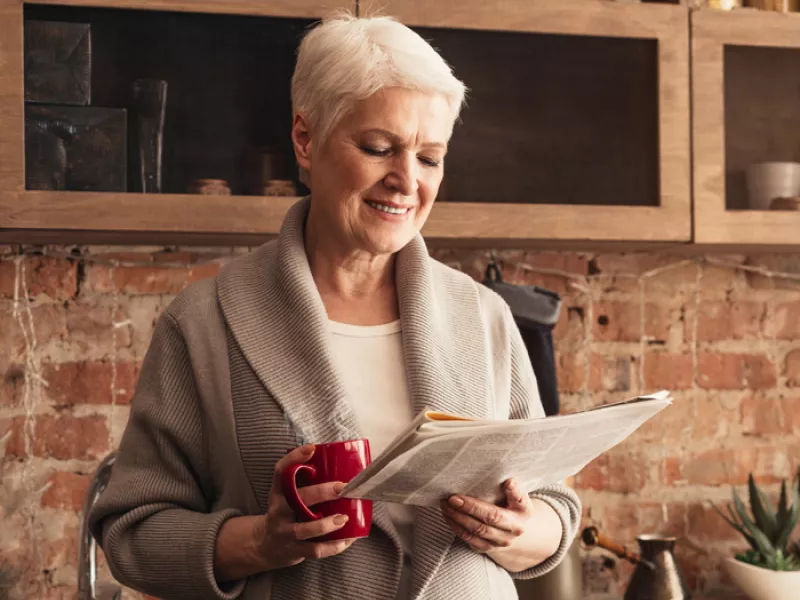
326	549
482	511
517	500
476	543
300	454
313	529
322	492
499	538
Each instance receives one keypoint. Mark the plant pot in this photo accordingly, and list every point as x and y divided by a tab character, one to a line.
763	584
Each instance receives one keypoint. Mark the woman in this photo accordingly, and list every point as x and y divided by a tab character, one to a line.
341	328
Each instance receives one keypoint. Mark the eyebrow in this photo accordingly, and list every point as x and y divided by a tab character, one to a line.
396	138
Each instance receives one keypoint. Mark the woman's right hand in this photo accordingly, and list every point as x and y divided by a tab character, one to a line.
281	540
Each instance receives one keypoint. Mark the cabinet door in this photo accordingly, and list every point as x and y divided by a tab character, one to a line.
577	122
746	76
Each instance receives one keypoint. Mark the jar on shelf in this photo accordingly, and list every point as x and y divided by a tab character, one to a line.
280	187
209	187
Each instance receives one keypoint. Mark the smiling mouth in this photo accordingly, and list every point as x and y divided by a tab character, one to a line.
392	210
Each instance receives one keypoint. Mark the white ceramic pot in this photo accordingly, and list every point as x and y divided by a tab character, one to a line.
764	584
769	180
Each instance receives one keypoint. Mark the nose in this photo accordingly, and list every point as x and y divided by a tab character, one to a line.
403	175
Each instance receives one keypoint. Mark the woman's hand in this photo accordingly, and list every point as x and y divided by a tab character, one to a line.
254	544
518	536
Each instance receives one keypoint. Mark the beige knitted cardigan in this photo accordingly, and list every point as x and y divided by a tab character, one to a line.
239	371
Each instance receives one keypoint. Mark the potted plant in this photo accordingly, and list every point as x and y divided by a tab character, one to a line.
770	569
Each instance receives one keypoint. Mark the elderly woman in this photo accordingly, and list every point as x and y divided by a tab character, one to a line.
342	328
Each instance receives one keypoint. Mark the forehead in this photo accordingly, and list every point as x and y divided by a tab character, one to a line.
409	114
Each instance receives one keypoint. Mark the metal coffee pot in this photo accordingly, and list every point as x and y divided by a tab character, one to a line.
657	575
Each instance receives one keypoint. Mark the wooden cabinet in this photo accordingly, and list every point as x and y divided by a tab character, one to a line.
577	129
746	111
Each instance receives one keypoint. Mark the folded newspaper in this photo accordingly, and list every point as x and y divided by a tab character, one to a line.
440	454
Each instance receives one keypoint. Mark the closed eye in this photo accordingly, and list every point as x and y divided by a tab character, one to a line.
375	151
429	161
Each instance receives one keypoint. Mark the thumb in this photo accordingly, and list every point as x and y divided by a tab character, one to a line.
517	500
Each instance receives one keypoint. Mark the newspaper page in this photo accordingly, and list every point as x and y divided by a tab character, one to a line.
434	459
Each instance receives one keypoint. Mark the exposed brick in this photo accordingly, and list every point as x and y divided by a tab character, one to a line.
610	373
60	551
662	518
569	333
721	320
779	263
136	279
622	473
792	368
67	491
65	437
713	417
735	371
784	324
672	471
571	372
56	278
90	382
621	321
91	328
12	382
203	271
791	415
762	416
663	370
705	525
732	466
569	263
15	429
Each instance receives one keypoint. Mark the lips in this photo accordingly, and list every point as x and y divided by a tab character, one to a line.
389	207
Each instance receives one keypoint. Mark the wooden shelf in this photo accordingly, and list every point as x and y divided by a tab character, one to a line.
212	216
722	146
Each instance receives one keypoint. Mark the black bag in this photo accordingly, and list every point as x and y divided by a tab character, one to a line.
535	310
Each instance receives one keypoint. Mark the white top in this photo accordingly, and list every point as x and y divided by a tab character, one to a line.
371	363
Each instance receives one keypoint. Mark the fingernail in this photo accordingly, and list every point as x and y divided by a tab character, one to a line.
338	488
340	519
308	449
456	501
511	484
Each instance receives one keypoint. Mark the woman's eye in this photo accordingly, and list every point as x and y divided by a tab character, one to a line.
431	162
375	151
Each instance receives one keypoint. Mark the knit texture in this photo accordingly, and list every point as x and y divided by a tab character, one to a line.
260	329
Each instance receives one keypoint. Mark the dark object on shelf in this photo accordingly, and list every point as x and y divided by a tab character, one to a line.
792	203
149	105
94	151
657	575
209	187
535	310
58	62
280	187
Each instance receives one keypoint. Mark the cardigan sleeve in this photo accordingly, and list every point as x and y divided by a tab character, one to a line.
153	521
525	404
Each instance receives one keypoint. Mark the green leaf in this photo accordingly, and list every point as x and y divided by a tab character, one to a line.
764	520
783	510
794	515
762	542
734	523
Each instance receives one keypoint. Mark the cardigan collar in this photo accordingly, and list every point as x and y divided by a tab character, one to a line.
277	317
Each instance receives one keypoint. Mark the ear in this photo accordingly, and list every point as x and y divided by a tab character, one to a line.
301	140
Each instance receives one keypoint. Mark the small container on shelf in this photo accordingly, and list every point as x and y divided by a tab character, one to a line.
209	187
280	187
769	180
791	203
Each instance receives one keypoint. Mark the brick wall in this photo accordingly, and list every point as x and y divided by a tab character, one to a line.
722	332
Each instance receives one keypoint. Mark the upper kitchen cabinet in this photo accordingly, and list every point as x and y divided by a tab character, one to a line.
746	121
576	129
577	120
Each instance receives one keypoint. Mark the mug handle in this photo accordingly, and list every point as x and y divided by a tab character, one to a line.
289	485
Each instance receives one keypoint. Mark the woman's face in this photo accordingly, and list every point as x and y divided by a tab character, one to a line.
375	180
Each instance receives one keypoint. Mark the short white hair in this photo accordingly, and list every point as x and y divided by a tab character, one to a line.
345	59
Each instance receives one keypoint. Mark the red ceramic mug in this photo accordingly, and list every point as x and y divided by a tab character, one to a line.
337	461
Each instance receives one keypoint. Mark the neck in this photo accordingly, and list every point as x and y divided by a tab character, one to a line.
356	287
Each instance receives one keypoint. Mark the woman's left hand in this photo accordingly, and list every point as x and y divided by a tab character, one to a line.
517	536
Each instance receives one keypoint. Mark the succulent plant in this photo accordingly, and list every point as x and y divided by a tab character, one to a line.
766	530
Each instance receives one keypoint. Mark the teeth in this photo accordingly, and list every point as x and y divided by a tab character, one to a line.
388	209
